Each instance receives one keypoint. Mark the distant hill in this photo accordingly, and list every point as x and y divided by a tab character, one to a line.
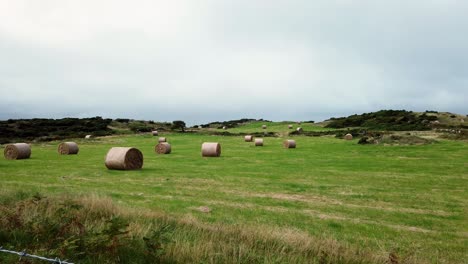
42	129
51	129
231	123
398	120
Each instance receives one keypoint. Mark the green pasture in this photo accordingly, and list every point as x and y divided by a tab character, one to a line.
411	200
277	127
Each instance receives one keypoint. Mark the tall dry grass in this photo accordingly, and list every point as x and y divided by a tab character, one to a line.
92	229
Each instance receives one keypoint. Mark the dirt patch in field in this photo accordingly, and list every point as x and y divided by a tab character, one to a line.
321	215
329	201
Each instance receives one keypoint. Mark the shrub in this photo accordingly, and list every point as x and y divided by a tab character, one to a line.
139	127
71	228
178	124
363	140
397	120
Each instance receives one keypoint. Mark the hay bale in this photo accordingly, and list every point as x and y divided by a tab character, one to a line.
348	137
211	149
290	126
17	151
124	158
224	128
162	139
163	148
264	127
154	133
299	129
87	136
68	148
289	143
259	142
248	138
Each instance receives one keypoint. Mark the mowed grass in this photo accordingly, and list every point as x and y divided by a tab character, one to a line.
408	200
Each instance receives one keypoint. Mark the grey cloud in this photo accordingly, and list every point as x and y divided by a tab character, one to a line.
231	59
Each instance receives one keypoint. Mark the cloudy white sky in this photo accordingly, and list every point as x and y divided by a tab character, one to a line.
208	60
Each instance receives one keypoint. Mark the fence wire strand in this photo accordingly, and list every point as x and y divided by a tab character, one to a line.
24	254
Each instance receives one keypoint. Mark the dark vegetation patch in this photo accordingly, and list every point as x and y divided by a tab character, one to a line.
337	133
52	129
454	134
139	126
394	139
41	129
395	120
230	123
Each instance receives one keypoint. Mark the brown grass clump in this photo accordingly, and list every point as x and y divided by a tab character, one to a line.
17	151
211	149
124	158
163	148
289	143
68	148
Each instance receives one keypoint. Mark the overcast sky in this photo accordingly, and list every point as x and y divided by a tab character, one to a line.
208	60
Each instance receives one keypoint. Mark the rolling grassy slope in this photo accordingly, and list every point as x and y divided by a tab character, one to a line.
278	127
409	200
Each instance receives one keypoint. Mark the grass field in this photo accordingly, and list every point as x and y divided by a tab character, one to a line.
277	127
406	200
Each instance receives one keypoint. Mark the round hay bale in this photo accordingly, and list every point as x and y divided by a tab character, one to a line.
259	142
290	126
264	127
163	148
289	143
87	136
299	129
248	138
162	139
211	149
224	128
154	133
68	148
348	136
17	151
124	158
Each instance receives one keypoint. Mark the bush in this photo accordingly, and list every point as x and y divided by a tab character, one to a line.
178	124
397	120
363	140
139	127
44	129
72	229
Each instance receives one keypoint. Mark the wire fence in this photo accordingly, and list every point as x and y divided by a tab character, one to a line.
24	254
